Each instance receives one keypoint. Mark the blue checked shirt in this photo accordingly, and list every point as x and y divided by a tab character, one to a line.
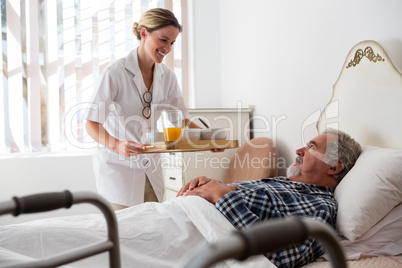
261	200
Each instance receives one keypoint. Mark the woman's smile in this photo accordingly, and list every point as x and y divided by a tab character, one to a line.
161	53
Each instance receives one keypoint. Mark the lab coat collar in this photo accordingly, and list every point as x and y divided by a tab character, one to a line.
131	64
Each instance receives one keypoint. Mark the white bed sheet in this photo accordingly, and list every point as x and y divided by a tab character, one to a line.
178	227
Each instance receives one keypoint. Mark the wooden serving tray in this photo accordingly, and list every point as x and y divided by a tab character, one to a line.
190	146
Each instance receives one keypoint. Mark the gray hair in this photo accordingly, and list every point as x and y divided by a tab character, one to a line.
345	149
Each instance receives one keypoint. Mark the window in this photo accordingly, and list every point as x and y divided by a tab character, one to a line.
52	54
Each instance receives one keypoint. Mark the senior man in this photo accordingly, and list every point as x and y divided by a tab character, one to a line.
306	191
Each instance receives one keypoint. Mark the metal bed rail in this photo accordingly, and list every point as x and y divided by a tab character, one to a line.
266	237
55	200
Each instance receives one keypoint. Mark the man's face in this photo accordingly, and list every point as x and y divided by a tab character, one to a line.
310	166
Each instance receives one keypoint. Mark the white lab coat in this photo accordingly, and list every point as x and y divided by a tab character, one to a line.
117	104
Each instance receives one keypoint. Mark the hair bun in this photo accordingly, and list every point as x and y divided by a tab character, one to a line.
136	31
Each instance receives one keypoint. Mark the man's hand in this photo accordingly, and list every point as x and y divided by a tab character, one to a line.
211	191
197	182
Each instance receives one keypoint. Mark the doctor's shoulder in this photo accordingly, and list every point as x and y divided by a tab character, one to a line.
114	77
113	72
115	67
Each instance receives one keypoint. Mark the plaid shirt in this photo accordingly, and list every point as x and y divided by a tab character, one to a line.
265	199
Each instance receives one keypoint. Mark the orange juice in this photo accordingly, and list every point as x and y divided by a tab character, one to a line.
172	133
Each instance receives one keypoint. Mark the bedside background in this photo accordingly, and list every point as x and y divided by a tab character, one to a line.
183	167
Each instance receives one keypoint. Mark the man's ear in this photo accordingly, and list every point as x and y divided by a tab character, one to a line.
336	169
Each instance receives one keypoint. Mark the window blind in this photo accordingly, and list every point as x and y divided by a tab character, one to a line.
52	53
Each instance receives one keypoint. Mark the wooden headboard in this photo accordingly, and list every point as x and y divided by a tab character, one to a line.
367	98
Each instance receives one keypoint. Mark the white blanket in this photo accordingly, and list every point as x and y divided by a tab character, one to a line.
151	235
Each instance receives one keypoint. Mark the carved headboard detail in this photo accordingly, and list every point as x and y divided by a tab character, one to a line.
368	53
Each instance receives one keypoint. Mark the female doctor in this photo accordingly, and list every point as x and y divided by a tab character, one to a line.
129	97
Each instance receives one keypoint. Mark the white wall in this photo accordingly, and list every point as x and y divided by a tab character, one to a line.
22	175
283	57
205	51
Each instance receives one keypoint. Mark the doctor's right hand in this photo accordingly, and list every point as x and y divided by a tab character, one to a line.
129	148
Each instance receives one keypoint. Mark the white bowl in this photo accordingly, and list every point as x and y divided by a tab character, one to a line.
214	134
191	134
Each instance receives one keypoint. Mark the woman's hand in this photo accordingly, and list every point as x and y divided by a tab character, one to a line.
124	148
129	148
194	183
212	191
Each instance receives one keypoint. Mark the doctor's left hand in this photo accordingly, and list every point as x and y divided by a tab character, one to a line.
129	148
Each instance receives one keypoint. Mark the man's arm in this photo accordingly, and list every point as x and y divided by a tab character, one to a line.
236	209
231	203
210	190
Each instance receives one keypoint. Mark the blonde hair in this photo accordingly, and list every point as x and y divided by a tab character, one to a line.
154	19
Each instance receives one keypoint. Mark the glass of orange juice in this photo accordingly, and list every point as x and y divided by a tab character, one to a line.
172	124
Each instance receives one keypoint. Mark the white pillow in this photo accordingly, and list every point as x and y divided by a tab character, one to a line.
371	189
384	238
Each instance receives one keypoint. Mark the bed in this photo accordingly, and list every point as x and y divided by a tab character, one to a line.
370	212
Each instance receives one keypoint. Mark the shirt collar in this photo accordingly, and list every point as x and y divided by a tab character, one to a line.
312	188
